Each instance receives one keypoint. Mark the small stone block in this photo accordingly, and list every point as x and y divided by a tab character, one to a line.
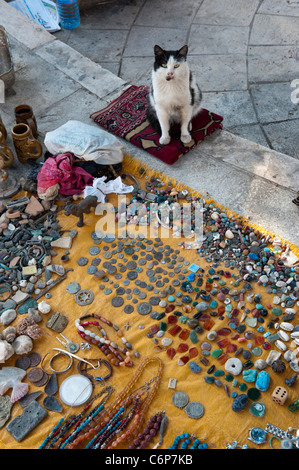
29	270
62	242
280	395
57	322
172	383
21	425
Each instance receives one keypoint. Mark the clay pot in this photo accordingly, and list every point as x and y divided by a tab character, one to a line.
6	155
24	115
2	129
25	144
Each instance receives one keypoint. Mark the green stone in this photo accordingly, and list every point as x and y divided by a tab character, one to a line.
250	321
209	379
243	387
222	283
229	378
216	353
183	319
218	373
276	311
273	337
163	326
193	337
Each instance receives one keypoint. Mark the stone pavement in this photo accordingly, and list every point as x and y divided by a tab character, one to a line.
245	55
60	83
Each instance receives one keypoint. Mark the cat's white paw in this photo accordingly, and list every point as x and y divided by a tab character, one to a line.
164	140
186	138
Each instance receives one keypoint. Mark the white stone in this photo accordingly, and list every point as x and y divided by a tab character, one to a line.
23	344
260	364
43	307
233	366
229	234
283	335
273	356
62	242
8	316
287	326
6	351
166	342
280	345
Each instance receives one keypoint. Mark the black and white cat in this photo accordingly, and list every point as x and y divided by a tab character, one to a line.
174	98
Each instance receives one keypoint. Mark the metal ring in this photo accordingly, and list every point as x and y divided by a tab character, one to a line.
61	353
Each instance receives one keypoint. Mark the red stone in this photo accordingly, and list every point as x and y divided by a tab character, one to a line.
171	352
154	329
234	312
255	313
193	352
204	361
208	324
223	331
235	336
204	317
208	287
266	345
259	340
182	347
169	308
184	334
221	311
172	319
231	348
223	342
227	274
174	330
183	360
241	340
222	358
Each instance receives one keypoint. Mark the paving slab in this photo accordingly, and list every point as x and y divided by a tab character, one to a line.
235	106
272	64
278	7
226	12
284	137
158	14
211	39
265	30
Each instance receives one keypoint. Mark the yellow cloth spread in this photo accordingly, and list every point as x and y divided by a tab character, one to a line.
219	424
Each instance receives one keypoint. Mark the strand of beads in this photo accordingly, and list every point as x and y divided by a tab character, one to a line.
149	432
64	424
186	438
84	438
109	348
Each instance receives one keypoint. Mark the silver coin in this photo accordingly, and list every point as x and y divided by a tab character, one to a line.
180	399
194	410
73	287
144	308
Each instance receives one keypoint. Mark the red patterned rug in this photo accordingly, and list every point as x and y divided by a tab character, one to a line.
126	118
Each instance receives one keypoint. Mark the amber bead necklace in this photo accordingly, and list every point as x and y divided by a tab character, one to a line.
122	420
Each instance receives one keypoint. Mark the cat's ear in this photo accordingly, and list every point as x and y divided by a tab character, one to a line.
158	50
183	51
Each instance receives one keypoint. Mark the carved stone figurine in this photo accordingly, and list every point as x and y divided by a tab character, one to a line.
83	207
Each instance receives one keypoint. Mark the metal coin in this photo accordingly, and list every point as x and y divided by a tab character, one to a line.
132	275
82	261
108	238
120	291
23	362
35	375
128	308
180	399
94	250
84	297
100	274
91	269
142	295
144	308
35	359
96	262
194	410
43	380
117	301
131	265
111	269
96	234
73	287
154	300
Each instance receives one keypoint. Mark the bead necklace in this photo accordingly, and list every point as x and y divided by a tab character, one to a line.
149	432
110	417
186	438
75	420
109	348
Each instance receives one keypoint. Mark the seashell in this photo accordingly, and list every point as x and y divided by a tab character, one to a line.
280	345
43	307
9	334
273	356
19	391
295	334
6	351
286	326
283	335
23	344
296	341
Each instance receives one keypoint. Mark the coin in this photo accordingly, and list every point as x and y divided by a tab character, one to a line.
128	308
194	410
94	250
73	287
43	380
117	301
82	261
35	359
23	362
144	308
35	374
180	399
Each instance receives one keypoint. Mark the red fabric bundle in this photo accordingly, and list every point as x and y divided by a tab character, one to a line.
126	117
58	174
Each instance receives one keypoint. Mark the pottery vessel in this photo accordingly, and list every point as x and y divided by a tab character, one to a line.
24	115
6	155
26	145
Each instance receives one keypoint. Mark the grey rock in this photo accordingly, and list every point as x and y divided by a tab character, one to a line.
21	425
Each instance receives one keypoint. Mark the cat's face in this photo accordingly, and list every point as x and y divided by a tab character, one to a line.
169	63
